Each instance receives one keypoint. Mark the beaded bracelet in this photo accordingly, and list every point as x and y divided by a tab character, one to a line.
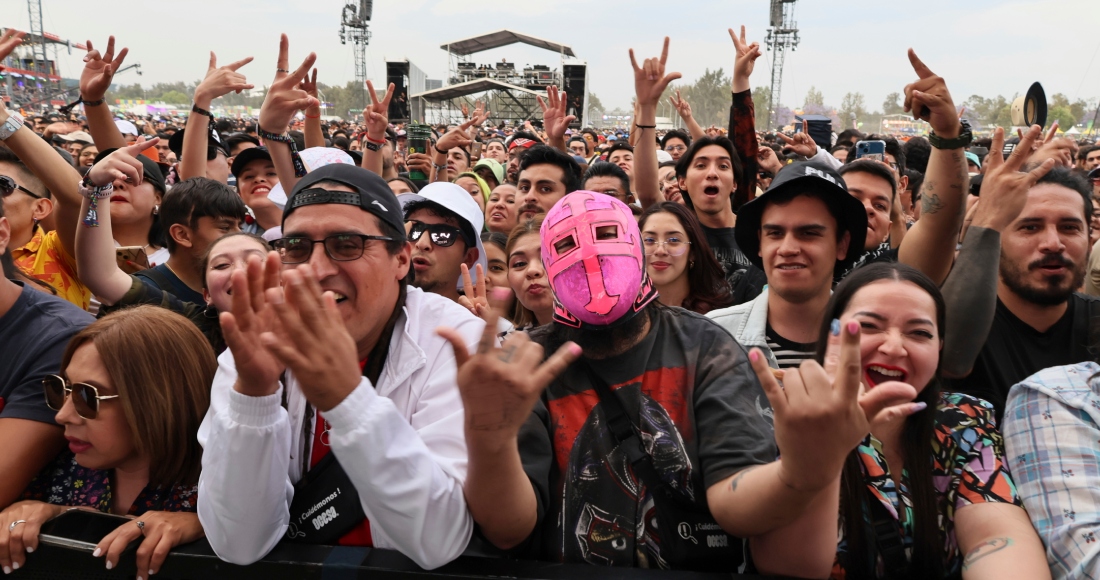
94	194
299	167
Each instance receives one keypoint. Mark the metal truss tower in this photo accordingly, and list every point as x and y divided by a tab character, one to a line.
354	23
38	49
782	35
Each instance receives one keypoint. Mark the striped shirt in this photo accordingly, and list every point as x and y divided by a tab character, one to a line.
788	354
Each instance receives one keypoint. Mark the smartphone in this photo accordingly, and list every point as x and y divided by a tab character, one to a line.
871	149
82	530
475	151
131	259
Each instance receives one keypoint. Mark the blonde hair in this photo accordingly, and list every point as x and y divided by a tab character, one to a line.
162	368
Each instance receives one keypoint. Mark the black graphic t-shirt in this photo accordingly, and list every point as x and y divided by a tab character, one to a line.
703	417
745	280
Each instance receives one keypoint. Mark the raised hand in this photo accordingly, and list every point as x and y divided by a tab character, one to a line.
681	105
1004	185
162	531
460	136
1061	149
747	53
474	298
500	385
8	42
928	99
250	316
309	85
820	418
554	120
99	70
311	339
285	97
650	80
767	160
799	144
377	113
221	81
121	165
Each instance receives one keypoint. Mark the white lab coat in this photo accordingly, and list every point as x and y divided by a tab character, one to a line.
402	445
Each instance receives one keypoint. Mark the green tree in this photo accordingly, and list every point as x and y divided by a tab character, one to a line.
852	106
1063	114
594	104
813	97
709	97
761	96
174	98
892	104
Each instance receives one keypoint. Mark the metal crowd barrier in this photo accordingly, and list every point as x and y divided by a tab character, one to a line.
65	552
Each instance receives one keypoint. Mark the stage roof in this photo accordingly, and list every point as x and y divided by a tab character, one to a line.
469	88
502	38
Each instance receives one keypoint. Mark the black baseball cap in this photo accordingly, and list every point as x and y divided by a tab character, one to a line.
151	169
247	156
175	143
805	177
372	194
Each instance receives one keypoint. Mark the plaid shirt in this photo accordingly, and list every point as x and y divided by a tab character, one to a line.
1052	435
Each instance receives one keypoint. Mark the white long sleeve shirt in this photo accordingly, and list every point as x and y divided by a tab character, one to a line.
401	443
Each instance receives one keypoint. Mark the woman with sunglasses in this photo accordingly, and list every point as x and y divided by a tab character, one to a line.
925	495
679	260
131	423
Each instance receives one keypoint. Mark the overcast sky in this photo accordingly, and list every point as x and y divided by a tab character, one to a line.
985	47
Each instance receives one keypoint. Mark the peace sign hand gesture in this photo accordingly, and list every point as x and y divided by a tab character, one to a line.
99	70
681	105
820	412
475	297
928	99
285	97
377	113
500	385
554	119
221	81
650	80
746	55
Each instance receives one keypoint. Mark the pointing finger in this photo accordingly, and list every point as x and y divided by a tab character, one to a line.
919	67
370	93
284	55
467	282
213	62
633	61
664	53
236	65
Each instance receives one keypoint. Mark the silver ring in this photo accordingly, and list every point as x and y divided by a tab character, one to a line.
282	70
141	526
11	527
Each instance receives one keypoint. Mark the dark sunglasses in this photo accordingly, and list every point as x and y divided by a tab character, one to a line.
442	235
86	398
8	187
339	247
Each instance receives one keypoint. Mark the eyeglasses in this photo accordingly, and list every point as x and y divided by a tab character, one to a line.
674	246
86	401
675	148
8	187
441	235
339	247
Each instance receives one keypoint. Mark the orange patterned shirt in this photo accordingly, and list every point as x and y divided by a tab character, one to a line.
45	258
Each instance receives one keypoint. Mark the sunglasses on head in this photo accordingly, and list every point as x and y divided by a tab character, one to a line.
86	398
442	235
8	187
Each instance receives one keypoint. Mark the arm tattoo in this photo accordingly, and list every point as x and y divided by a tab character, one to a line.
930	204
984	549
737	478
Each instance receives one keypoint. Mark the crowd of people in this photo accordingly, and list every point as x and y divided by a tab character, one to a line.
709	349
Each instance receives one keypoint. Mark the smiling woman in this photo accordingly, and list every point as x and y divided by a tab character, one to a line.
679	260
942	468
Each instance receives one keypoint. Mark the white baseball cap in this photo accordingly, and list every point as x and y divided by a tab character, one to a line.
126	128
452	197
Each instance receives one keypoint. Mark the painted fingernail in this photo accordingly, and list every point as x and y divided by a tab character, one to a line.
7	570
109	566
834	327
918	407
754	355
853	327
97	553
15	565
30	550
151	572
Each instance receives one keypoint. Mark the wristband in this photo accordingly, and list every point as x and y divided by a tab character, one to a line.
80	99
94	194
317	116
645	126
372	146
378	141
438	150
963	140
439	167
197	109
296	159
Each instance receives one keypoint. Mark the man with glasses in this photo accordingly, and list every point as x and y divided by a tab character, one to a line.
35	327
333	356
443	223
675	143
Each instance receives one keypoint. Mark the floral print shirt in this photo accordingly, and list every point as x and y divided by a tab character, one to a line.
968	467
65	482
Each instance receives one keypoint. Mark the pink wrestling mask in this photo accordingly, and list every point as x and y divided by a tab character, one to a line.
594	260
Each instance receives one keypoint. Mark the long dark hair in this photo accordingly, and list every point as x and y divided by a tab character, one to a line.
706	281
928	556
